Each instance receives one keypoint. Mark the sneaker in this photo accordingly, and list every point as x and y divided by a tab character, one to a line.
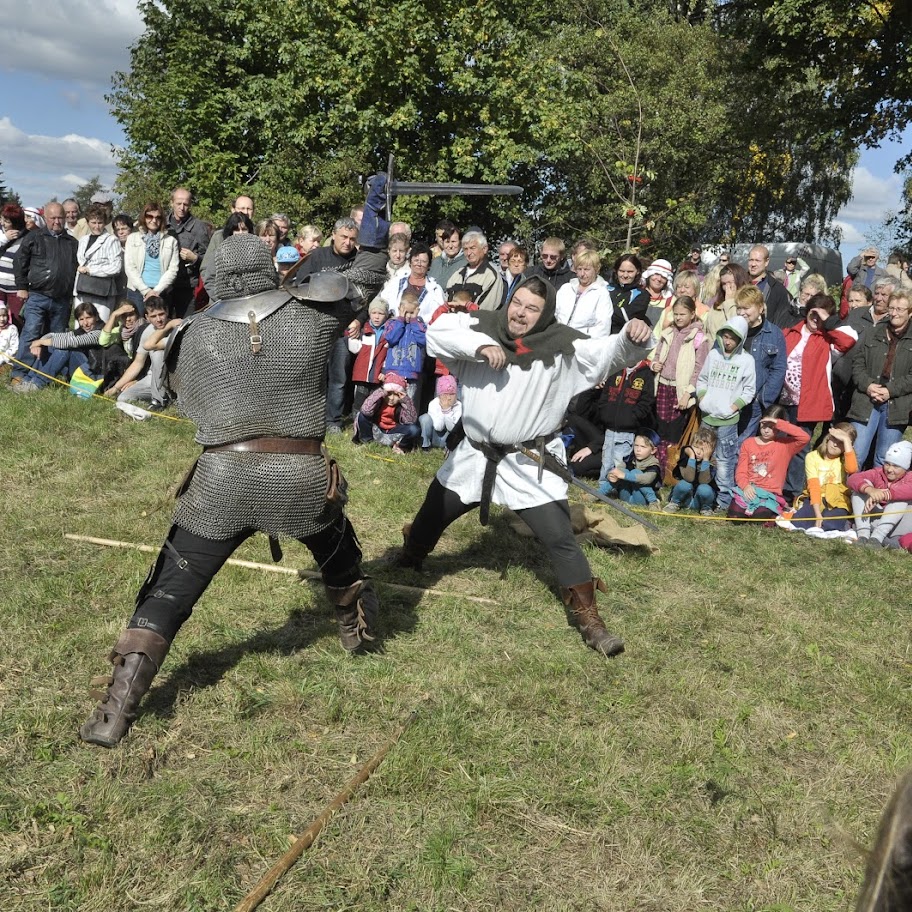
655	506
707	511
872	542
672	506
719	510
333	429
157	405
25	386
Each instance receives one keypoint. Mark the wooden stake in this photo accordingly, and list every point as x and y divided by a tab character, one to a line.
272	876
272	568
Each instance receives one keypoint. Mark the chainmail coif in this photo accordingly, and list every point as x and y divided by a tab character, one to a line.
243	266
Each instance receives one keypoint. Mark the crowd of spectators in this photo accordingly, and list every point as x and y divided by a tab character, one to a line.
721	417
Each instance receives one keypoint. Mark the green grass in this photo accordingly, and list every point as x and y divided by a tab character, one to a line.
751	732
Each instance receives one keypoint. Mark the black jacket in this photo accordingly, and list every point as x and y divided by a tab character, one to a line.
779	309
46	264
557	277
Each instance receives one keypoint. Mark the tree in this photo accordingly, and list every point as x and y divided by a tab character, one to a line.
84	193
298	101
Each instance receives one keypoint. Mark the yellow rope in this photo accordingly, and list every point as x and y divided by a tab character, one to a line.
83	394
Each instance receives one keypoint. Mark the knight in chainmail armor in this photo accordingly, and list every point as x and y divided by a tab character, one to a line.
251	373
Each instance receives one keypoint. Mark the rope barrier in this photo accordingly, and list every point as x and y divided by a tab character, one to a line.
83	394
646	512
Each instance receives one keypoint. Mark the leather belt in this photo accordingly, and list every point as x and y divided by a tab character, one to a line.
300	446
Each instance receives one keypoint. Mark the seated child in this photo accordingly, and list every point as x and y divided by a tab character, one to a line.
762	466
405	335
442	414
641	477
388	417
886	492
370	352
825	503
695	488
9	336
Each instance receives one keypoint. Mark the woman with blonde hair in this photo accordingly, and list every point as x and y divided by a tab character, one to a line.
308	238
584	302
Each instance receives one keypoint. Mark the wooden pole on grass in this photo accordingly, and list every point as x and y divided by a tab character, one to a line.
273	875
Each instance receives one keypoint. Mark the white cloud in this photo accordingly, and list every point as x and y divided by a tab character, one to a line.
38	167
850	234
872	196
85	41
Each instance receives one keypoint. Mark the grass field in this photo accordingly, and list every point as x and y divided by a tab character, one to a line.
731	759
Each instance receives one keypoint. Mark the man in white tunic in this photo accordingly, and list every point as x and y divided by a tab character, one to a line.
519	368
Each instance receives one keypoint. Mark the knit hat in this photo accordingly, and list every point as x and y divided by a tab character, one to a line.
900	454
393	383
243	266
659	267
446	385
649	434
377	306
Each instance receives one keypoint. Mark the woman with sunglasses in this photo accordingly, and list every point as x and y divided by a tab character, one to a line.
151	258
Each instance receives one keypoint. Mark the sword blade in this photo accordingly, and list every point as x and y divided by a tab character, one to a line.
553	465
430	188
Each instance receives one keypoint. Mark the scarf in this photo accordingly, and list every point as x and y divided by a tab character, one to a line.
153	244
544	342
127	334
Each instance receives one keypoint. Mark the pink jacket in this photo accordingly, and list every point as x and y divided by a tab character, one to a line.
899	490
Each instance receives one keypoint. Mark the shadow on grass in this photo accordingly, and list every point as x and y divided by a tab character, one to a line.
302	628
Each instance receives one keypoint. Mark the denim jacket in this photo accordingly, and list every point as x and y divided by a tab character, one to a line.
767	348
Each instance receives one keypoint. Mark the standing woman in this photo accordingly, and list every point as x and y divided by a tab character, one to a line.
151	258
12	220
122	226
584	303
722	307
309	237
657	281
100	258
517	264
430	295
627	297
268	232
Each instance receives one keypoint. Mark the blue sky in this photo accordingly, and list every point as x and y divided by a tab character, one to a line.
56	132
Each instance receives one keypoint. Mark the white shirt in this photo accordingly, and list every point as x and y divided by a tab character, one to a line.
515	405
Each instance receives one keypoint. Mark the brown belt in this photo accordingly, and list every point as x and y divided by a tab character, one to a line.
306	446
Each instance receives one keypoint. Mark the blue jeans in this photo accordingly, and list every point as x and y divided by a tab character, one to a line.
59	361
618	446
430	437
701	498
41	315
877	429
338	378
726	455
630	491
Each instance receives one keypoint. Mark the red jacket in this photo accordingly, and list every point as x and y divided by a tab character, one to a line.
815	401
369	360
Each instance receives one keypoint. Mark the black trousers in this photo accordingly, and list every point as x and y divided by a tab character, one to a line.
550	522
187	563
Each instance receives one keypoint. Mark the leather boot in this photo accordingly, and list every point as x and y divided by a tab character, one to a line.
357	607
136	658
410	557
581	599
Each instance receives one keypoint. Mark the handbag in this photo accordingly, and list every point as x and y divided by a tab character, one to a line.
82	385
97	286
673	454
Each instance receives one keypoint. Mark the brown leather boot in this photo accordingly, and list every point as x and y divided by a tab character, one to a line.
136	658
581	599
357	607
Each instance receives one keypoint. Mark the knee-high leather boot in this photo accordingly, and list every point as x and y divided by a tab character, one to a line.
581	599
136	658
357	607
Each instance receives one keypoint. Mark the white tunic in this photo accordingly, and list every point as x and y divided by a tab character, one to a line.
514	405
